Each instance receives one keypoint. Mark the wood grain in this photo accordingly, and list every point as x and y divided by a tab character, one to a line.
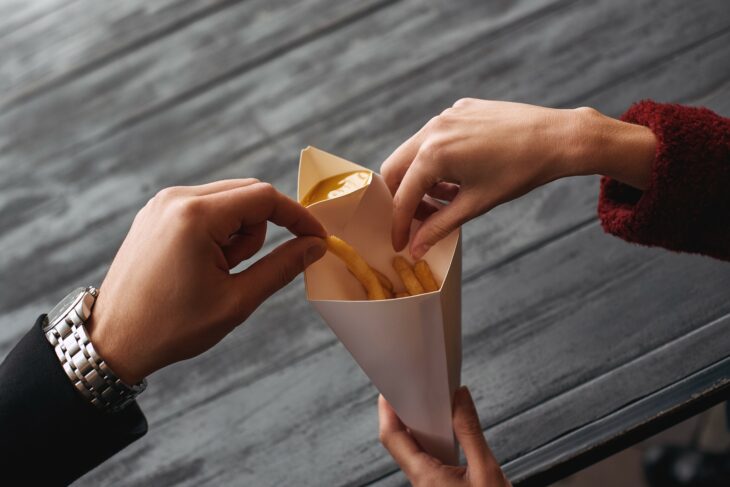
49	43
681	399
203	91
18	14
64	120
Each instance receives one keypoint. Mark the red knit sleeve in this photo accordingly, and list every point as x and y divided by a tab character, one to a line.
686	206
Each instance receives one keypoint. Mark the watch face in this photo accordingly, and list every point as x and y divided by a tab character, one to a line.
62	308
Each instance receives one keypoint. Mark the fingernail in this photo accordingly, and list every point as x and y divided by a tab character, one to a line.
314	253
397	244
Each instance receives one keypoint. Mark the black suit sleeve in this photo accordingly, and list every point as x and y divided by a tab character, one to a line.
50	434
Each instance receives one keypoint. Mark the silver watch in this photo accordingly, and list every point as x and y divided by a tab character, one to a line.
88	372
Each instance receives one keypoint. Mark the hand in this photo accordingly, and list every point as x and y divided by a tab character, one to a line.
479	154
169	296
424	470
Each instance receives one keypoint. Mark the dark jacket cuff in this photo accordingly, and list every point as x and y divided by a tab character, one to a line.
47	423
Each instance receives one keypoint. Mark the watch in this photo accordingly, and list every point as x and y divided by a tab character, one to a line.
88	372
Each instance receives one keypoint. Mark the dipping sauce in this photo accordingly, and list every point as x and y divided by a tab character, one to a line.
338	185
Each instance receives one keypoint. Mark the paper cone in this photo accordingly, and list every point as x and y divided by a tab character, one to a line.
409	347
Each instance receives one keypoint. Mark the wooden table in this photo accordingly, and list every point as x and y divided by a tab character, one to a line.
575	343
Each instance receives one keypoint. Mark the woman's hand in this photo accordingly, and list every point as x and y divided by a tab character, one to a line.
169	296
424	470
479	154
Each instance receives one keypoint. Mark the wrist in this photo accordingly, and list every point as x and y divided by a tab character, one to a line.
66	330
576	143
111	349
609	147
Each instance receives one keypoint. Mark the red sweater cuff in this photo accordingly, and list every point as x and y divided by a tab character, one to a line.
686	206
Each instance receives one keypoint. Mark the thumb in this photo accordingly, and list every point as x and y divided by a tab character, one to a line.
275	270
468	430
441	223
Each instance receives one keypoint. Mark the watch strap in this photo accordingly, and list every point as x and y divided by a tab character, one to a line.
88	372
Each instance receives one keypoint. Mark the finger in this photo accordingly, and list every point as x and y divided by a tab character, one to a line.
395	166
444	191
223	185
468	430
411	191
244	244
274	271
425	209
441	223
256	203
399	443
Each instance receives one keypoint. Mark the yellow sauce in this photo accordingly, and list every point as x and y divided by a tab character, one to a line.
338	185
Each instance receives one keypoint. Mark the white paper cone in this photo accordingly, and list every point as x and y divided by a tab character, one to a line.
409	347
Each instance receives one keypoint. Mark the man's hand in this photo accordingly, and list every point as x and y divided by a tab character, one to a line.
424	470
479	154
169	295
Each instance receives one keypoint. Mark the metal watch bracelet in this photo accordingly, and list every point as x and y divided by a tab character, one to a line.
88	372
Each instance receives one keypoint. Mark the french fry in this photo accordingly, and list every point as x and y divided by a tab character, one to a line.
357	265
425	276
384	281
405	271
402	294
387	290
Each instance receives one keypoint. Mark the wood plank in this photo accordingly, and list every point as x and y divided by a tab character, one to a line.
602	320
142	85
54	125
176	67
17	14
317	416
219	49
46	43
682	399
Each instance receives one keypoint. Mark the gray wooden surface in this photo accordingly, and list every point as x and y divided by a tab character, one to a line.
104	103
